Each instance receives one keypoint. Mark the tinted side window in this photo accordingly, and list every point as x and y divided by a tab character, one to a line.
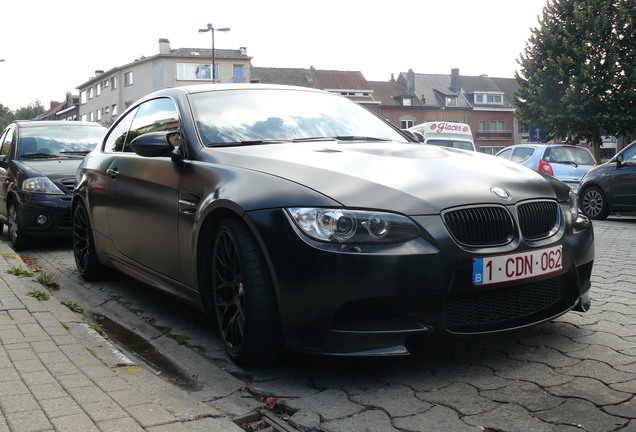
630	154
117	139
6	139
505	154
155	116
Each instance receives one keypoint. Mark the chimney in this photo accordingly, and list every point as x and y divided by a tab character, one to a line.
410	82
311	76
456	82
243	51
99	72
164	46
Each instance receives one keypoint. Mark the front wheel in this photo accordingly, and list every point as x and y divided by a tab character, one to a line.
243	297
593	203
19	240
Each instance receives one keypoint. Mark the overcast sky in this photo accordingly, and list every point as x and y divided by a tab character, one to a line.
50	48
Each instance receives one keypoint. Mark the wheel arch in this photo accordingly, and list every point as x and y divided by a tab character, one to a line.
205	237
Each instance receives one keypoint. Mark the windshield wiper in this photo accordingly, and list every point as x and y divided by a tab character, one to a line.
38	156
570	163
79	152
359	138
248	142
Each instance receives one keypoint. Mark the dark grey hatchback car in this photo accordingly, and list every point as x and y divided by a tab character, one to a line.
610	187
297	218
38	160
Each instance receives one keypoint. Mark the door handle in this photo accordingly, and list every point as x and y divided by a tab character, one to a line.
112	172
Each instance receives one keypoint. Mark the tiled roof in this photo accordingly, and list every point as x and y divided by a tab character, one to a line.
288	76
389	93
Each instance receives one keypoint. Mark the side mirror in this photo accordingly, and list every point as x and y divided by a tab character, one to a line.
153	144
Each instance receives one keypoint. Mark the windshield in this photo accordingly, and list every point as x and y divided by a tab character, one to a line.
266	115
55	141
464	145
577	155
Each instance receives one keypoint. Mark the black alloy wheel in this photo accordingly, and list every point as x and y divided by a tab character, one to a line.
243	295
19	240
593	203
86	260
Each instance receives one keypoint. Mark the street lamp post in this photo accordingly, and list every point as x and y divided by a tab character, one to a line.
210	28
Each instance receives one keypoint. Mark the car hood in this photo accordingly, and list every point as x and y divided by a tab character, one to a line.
52	168
408	178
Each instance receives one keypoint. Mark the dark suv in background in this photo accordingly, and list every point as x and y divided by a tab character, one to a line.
38	160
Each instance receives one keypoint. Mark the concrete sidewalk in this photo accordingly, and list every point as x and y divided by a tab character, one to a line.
58	374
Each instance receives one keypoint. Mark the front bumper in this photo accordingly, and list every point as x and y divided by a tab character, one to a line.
336	299
45	215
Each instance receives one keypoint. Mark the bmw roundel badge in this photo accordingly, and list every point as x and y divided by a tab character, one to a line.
500	192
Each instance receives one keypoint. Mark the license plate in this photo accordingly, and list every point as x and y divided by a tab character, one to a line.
523	265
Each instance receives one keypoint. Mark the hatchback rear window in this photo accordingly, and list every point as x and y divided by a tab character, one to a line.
578	155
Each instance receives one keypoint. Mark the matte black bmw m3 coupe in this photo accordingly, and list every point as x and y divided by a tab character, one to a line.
299	219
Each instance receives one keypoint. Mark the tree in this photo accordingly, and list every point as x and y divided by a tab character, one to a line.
30	111
6	117
578	71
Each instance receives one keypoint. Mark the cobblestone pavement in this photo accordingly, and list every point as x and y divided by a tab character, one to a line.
576	373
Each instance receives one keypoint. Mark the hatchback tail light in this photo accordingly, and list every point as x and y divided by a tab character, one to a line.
545	167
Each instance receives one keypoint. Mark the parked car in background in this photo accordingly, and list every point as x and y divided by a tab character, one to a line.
299	219
567	163
38	160
611	186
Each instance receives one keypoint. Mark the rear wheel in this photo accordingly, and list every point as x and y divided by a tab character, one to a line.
243	297
19	240
84	247
593	203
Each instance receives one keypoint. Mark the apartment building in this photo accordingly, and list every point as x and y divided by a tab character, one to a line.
109	93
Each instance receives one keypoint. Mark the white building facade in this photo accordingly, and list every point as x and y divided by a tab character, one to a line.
109	93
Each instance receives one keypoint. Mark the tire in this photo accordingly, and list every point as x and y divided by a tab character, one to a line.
19	240
593	203
243	297
84	252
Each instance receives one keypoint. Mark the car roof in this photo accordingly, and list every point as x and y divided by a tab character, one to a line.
54	123
203	88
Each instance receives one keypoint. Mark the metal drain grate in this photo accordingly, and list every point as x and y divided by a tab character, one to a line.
263	421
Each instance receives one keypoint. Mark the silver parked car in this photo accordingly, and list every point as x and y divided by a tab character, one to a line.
567	163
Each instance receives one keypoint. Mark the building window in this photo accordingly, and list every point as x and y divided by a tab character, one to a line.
239	73
407	123
128	78
194	72
451	101
489	99
407	102
99	114
83	97
113	110
113	83
98	89
106	110
91	92
497	125
482	125
491	150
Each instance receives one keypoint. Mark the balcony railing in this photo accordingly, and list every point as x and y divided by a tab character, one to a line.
493	135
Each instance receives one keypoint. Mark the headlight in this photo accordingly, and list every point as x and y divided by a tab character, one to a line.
353	226
40	185
573	205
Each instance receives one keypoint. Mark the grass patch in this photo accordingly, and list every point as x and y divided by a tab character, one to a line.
17	271
48	281
38	295
73	306
97	328
66	326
